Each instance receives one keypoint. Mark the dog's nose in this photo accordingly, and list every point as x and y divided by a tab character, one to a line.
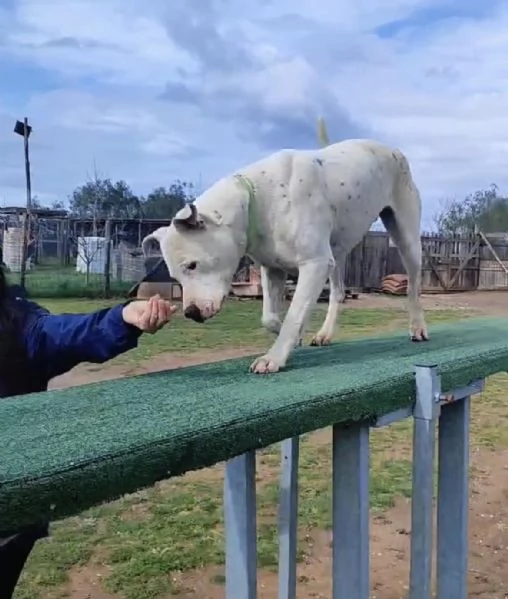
194	313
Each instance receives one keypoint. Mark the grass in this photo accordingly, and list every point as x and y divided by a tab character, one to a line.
64	282
141	544
238	325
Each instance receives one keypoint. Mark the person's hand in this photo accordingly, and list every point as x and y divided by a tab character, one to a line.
148	315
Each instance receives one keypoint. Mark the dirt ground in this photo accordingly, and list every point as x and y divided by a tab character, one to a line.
488	572
390	548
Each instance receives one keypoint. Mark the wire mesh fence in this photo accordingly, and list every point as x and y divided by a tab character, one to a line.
70	257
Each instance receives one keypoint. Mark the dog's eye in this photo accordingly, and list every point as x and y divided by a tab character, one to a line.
192	265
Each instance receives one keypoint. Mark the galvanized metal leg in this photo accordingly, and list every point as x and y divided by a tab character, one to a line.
240	523
425	415
351	512
288	518
453	495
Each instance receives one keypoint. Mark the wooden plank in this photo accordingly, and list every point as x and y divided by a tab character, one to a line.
464	263
434	269
493	251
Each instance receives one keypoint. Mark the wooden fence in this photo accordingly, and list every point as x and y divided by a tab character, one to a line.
450	264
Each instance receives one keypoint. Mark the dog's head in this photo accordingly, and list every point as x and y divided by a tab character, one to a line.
202	253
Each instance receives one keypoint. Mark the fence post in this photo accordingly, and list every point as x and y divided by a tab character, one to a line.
28	210
107	261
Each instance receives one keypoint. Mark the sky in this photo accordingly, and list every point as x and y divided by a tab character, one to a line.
150	91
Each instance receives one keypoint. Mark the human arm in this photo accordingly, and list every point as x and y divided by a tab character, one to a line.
55	343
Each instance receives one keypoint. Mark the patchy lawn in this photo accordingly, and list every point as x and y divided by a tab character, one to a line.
239	325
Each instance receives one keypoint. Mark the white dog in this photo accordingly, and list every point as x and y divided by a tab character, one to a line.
298	212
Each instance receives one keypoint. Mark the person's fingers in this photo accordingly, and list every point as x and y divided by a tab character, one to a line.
154	311
163	312
171	309
144	316
168	310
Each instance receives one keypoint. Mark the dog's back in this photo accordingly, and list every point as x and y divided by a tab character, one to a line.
344	185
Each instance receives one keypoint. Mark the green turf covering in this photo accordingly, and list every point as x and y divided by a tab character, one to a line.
64	451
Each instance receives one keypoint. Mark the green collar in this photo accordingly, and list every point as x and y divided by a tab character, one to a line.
252	227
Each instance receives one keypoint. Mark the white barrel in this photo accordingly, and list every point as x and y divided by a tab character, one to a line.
13	248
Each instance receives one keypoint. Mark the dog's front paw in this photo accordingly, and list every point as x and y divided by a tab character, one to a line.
419	333
321	339
265	365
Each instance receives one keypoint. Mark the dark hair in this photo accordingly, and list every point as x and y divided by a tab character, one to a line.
5	303
12	352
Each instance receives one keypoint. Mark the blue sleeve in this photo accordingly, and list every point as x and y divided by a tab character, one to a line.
58	342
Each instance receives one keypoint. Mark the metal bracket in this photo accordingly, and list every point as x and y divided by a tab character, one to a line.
428	391
462	392
440	399
391	417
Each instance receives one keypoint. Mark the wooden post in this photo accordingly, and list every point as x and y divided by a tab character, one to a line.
64	240
493	251
107	261
59	229
26	222
38	242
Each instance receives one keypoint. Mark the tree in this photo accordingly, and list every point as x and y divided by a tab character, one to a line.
165	203
57	205
35	203
100	198
484	209
87	253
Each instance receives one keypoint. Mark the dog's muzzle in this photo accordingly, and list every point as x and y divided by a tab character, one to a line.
194	313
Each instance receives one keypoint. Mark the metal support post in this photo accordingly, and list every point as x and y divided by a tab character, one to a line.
288	518
426	413
240	523
351	512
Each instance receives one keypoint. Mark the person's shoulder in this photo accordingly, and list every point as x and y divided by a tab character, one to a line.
24	305
16	292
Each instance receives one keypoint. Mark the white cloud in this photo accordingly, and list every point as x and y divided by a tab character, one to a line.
115	42
442	97
436	89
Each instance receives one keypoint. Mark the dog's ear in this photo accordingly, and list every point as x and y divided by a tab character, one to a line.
188	218
157	236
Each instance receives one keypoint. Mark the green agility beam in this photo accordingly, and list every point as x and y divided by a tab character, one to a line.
67	450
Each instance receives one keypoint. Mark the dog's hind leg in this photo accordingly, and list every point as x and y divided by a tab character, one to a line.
337	295
273	282
403	227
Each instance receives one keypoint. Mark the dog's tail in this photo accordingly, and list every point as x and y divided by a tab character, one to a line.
323	133
157	235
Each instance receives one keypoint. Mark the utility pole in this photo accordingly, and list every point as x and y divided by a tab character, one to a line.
24	129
